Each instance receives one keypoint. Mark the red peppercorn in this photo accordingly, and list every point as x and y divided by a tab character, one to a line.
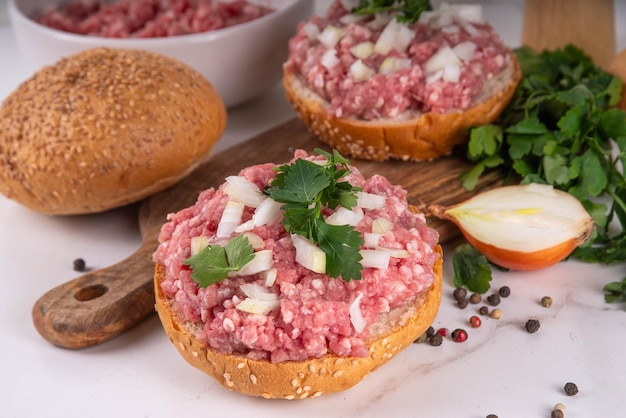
459	335
443	332
475	321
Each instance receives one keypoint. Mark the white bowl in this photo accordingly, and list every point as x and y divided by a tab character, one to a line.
241	61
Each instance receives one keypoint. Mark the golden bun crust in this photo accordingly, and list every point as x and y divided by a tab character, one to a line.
104	128
416	137
305	379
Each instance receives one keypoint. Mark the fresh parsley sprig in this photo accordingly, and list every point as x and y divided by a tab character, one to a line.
408	10
306	188
214	262
562	128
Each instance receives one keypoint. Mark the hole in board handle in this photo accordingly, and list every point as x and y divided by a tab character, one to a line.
91	292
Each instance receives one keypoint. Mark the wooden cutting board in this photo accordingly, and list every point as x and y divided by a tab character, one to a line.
100	305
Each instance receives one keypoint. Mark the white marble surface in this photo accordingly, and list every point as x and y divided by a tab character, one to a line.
501	369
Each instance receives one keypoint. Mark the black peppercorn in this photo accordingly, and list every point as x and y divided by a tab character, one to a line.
505	291
532	326
492	416
557	413
430	331
475	298
571	389
462	303
494	300
459	293
483	310
436	339
79	264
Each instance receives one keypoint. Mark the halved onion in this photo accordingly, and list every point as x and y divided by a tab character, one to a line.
523	227
308	254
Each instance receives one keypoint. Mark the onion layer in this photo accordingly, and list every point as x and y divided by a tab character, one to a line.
525	227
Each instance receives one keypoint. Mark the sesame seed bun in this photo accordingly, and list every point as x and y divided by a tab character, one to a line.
302	379
409	136
104	128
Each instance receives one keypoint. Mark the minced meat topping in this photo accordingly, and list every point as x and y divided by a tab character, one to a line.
312	313
375	67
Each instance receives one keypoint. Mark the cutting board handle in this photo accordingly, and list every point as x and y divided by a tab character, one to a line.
98	305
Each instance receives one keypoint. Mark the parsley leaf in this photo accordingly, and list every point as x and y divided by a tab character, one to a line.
561	128
306	188
471	269
214	262
408	10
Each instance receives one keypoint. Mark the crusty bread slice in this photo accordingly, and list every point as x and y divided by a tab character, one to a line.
409	136
299	380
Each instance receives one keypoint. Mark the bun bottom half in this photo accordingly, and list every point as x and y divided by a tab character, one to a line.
303	379
409	136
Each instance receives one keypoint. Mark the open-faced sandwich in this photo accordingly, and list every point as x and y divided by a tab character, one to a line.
290	281
379	83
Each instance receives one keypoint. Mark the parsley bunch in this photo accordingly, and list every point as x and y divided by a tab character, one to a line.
563	128
409	10
306	188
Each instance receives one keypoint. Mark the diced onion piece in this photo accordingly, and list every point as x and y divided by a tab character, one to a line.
381	226
263	260
244	227
329	59
431	78
469	12
259	299
396	36
392	64
198	243
269	276
356	315
351	18
255	240
465	50
243	190
360	72
349	4
231	218
308	254
443	57
363	50
380	20
267	213
330	36
371	239
395	252
370	201
375	259
311	30
451	73
343	216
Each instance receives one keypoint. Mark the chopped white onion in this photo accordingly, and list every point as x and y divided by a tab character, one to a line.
263	260
255	240
381	226
231	218
380	20
469	12
351	18
343	216
329	59
269	276
363	50
198	243
451	73
395	252
267	213
370	201
396	36
392	64
371	239
443	57
349	4
311	30
243	190
330	36
375	259
356	315
465	50
431	78
256	291
259	299
308	254
360	72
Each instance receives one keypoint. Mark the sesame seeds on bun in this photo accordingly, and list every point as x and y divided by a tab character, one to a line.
104	128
